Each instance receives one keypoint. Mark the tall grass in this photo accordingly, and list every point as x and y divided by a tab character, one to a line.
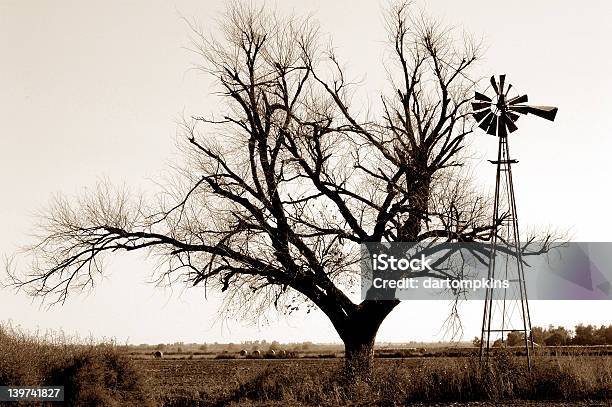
103	375
92	374
439	380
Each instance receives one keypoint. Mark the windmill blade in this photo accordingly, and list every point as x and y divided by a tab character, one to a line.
545	112
481	97
493	126
494	85
478	116
508	90
502	79
485	123
509	122
480	105
501	126
513	116
518	99
519	109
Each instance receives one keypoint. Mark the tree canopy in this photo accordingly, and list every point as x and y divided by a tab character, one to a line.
277	192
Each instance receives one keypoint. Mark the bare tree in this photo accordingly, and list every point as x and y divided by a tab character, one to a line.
276	195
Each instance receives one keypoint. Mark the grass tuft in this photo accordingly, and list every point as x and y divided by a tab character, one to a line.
93	374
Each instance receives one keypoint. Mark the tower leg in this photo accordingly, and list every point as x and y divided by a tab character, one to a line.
505	227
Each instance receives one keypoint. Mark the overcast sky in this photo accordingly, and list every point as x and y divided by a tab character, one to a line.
94	89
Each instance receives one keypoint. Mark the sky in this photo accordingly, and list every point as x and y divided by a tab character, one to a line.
92	90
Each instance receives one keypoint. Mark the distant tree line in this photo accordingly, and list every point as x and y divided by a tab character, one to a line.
560	336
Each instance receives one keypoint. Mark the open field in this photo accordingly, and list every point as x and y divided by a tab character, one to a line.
336	351
218	380
301	382
111	375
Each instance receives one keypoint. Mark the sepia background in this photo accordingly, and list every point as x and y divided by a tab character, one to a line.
92	90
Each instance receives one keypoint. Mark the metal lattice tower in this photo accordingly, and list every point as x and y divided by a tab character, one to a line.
506	310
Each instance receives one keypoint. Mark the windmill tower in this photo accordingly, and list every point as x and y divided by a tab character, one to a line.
506	310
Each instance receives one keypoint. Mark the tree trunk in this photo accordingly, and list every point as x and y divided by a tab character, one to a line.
359	334
359	357
357	326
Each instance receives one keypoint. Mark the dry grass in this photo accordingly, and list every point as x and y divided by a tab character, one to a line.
92	374
95	374
396	382
440	380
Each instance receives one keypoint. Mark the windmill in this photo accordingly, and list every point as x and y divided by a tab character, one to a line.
504	313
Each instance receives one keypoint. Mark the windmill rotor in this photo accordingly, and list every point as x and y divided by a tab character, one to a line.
497	114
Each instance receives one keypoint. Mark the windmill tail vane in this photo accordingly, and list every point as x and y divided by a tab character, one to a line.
497	114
